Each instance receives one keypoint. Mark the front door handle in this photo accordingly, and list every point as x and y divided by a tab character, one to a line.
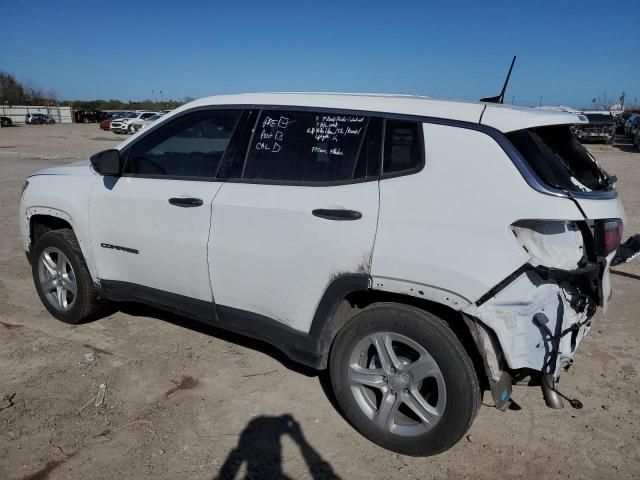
337	214
186	202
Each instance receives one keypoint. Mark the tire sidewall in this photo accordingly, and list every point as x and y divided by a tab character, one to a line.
54	239
427	330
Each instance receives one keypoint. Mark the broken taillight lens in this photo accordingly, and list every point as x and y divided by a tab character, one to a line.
608	235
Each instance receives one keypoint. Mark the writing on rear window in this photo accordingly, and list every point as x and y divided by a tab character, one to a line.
305	146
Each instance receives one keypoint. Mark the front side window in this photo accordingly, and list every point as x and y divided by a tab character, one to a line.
305	146
402	146
188	146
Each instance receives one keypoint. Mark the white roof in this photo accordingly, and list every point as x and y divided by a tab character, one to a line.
506	118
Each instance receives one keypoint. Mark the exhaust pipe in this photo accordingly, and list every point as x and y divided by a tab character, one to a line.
551	397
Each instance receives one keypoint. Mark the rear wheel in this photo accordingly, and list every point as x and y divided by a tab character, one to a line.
404	380
61	277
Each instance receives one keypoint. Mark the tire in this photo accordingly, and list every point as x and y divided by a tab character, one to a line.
131	130
418	340
82	304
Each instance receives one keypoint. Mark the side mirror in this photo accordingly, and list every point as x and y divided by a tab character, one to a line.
107	162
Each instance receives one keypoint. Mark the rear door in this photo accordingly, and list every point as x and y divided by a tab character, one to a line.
300	211
150	227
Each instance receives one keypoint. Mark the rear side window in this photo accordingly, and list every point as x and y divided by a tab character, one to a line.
190	146
402	146
559	159
306	146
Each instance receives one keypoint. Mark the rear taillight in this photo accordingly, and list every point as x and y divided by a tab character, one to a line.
608	235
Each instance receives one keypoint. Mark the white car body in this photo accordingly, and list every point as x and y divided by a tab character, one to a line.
472	230
126	124
139	123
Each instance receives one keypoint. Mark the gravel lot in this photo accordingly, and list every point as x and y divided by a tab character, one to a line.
185	400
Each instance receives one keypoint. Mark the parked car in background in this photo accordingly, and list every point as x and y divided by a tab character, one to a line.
636	138
621	121
125	124
139	124
5	122
601	127
90	116
355	233
38	119
106	123
631	123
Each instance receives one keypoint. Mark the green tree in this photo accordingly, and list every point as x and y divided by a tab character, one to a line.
11	91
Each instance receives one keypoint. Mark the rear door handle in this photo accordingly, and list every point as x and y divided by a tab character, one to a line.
337	214
186	202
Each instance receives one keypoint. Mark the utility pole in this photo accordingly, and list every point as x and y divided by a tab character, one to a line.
540	100
513	97
624	94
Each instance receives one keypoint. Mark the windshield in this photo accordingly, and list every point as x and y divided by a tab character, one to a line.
131	115
559	159
599	117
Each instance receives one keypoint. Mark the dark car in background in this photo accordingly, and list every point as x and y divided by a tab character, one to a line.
5	122
89	116
601	127
622	120
631	124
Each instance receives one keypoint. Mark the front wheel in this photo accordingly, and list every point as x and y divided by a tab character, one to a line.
404	380
61	277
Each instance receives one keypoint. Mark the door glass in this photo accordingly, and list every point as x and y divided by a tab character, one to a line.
305	146
189	146
401	146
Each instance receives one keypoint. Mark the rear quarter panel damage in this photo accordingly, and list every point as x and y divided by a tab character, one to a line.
449	228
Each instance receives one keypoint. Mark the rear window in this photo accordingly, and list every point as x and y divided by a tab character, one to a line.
560	160
599	117
306	147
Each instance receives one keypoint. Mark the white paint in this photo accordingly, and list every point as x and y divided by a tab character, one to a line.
451	230
63	196
552	244
444	234
505	118
510	315
271	256
172	241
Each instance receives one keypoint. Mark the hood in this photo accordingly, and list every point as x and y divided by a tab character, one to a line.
80	168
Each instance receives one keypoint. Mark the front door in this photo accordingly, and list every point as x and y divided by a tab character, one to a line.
150	227
301	212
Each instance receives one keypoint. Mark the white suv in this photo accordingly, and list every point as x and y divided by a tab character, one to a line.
421	250
128	123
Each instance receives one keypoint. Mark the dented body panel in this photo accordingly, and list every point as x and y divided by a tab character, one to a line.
480	228
451	232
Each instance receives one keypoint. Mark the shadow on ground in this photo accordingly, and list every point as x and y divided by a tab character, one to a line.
259	451
624	144
140	310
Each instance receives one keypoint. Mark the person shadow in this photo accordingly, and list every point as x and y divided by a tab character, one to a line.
260	448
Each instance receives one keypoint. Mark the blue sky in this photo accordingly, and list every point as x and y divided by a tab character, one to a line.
568	51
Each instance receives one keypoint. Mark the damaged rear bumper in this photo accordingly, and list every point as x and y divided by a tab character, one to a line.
531	323
535	322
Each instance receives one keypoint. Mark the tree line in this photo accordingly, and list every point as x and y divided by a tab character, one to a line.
13	92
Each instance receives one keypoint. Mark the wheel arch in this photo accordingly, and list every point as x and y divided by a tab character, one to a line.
349	294
40	220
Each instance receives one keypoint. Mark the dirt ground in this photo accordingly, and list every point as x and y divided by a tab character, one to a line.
185	400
